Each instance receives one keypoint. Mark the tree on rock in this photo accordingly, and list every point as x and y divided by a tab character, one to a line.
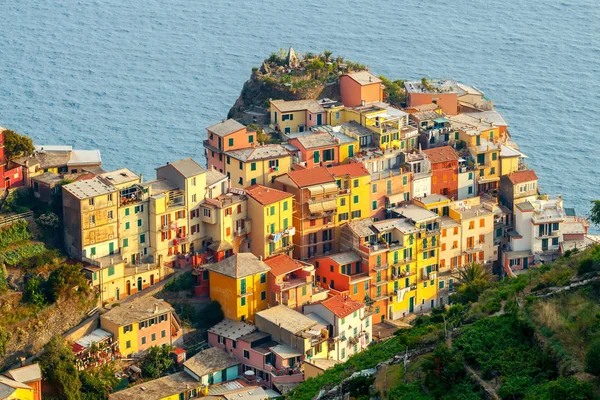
58	367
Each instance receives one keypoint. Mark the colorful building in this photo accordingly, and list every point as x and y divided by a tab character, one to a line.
359	88
23	383
443	93
315	207
239	284
518	187
271	211
351	323
296	115
318	149
226	136
256	165
143	323
444	166
292	282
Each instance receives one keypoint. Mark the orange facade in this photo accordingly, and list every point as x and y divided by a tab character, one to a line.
354	93
386	189
448	101
217	144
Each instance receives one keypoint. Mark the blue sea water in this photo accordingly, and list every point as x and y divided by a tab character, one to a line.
140	80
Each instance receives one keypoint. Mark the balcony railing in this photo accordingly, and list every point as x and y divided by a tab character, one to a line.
360	275
380	267
552	234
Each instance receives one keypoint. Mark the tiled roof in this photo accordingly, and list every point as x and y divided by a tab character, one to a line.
342	306
298	105
259	152
363	227
210	361
266	195
213	176
232	329
312	176
345	258
89	188
239	265
522	176
186	167
137	310
226	127
284	264
441	154
28	373
315	140
286	318
353	170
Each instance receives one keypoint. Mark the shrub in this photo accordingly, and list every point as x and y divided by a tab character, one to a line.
16	232
34	292
592	359
183	282
14	256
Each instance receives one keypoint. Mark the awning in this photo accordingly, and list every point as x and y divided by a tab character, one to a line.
285	351
329	205
396	198
330	187
440	120
315	208
315	190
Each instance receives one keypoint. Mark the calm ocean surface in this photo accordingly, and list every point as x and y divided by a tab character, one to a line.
140	80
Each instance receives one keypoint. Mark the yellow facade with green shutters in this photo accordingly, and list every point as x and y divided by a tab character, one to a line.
128	341
240	298
428	255
353	202
348	150
402	285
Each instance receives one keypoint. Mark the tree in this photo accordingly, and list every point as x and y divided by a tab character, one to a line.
97	383
592	357
17	145
394	91
327	54
595	212
58	367
473	278
33	293
157	361
65	279
443	370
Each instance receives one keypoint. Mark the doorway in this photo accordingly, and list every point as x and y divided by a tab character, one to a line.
152	280
139	284
411	305
128	288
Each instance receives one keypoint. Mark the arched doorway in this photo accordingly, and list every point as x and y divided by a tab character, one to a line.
118	294
152	280
7	183
128	288
139	284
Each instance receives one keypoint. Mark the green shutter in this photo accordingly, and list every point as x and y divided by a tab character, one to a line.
285	206
253	166
125	242
316	157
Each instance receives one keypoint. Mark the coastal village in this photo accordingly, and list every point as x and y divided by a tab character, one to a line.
319	226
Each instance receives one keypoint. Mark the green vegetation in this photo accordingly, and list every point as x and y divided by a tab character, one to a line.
595	212
184	282
14	233
394	90
474	279
65	382
157	362
522	344
14	256
17	145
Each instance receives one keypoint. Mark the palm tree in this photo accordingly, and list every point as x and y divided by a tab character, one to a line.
474	272
327	54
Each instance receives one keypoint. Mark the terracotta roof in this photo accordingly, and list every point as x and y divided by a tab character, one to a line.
311	176
353	170
342	306
137	310
284	264
239	266
522	176
441	154
298	105
265	195
186	167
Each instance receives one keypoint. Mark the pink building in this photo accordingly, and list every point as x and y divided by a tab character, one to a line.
318	149
271	363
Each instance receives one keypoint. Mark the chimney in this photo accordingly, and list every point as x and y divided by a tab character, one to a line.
260	258
362	103
156	308
141	177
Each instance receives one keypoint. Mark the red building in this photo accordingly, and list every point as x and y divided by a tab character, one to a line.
444	166
318	149
9	177
290	281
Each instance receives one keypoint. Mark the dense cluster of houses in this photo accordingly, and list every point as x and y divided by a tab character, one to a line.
360	216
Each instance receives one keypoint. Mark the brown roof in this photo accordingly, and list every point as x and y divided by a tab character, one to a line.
284	264
364	77
441	154
353	170
311	176
265	195
342	306
522	176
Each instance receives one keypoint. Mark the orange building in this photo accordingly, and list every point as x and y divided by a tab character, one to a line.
444	165
30	375
343	273
359	88
291	282
315	209
443	93
225	136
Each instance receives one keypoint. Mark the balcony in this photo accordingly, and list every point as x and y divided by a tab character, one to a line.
383	281
380	267
546	235
284	249
181	239
275	237
165	228
380	297
209	146
430	232
474	249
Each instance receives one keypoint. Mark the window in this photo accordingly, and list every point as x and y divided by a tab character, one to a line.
405	180
251	139
355	288
206	212
366	285
316	157
143	339
442	284
127	225
90	201
492	170
263	295
481	223
110	214
374	188
374	205
287	117
425	284
285	223
230	142
139	222
494	156
253	166
355	214
153	337
246	354
128	344
252	181
343	217
272	211
355	183
243	301
356	199
111	270
343	201
285	206
263	278
92	219
343	353
142	238
125	242
93	251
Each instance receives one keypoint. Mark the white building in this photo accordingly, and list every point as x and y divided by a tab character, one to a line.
420	166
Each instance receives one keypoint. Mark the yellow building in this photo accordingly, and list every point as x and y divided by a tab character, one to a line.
239	284
296	115
13	390
427	253
256	165
271	211
353	200
226	223
143	323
